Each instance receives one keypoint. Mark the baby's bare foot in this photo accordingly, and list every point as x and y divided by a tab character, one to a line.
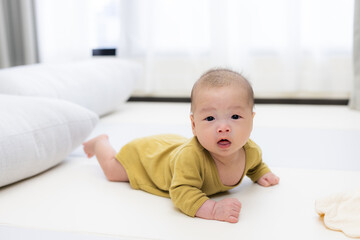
89	146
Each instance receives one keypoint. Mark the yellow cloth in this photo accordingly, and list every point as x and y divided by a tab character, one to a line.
180	168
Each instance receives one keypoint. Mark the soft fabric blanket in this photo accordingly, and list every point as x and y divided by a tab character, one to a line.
341	212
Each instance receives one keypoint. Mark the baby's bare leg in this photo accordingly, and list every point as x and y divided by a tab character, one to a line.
105	154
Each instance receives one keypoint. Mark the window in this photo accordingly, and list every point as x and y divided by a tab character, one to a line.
285	48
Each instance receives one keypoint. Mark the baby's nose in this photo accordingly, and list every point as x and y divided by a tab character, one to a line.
223	128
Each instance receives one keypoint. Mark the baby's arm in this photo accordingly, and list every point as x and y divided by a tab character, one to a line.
187	194
268	179
227	210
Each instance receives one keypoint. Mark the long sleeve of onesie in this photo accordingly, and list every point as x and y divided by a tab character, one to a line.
187	182
255	169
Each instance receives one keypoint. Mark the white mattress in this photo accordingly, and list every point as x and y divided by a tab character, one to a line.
75	199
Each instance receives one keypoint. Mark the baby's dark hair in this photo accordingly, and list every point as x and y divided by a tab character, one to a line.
219	77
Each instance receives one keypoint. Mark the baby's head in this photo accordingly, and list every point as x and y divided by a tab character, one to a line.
222	112
222	77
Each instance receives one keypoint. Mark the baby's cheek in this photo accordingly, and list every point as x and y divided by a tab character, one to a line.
205	141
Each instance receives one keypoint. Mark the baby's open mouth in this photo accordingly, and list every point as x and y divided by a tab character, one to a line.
224	143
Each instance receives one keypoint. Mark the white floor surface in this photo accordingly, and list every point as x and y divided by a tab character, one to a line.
314	150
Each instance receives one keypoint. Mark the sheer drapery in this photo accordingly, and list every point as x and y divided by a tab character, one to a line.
18	39
355	96
286	48
64	30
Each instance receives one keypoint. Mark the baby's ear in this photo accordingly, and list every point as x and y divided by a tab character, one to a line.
192	123
253	115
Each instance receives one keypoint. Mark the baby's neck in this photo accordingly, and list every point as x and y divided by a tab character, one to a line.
231	170
229	161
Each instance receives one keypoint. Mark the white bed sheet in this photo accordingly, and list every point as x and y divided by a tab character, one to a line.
75	196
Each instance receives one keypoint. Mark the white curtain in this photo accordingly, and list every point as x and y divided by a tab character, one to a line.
18	39
298	48
355	98
63	30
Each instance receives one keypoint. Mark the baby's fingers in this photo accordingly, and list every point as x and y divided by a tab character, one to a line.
268	179
236	207
272	179
233	219
234	212
263	182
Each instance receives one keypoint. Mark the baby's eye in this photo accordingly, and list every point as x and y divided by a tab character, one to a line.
210	118
235	116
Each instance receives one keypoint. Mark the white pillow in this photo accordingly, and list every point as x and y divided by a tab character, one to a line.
38	133
99	84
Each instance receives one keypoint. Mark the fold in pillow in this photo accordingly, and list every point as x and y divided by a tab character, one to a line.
99	84
38	133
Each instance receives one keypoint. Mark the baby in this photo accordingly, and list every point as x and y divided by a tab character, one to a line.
215	160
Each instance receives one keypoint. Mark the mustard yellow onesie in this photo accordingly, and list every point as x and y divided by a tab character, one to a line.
180	168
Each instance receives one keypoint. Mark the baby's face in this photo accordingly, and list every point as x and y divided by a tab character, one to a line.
222	120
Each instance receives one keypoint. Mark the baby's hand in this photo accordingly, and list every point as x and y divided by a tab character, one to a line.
227	210
268	179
